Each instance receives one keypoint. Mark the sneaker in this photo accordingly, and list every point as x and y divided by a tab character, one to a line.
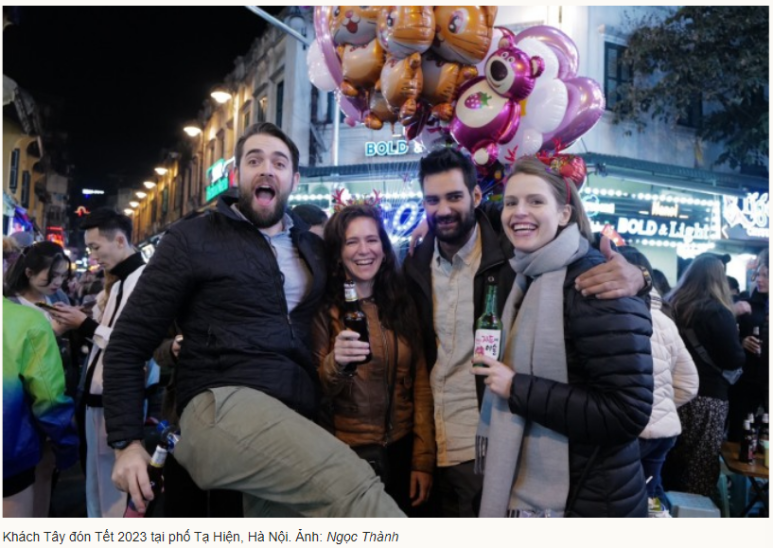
656	509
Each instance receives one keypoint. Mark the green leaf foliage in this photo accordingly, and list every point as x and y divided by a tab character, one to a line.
717	55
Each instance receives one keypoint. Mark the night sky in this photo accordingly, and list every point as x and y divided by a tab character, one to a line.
127	78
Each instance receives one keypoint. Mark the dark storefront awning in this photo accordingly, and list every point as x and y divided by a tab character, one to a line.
677	177
642	171
355	170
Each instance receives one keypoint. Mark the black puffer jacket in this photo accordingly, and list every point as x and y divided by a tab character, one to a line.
605	404
218	277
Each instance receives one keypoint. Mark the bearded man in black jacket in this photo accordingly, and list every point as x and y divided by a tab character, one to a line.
243	284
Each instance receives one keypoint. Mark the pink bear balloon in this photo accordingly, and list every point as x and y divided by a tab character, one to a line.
487	112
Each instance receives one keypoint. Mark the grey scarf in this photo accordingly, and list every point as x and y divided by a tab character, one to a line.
526	464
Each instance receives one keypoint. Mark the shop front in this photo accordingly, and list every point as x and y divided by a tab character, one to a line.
745	232
388	172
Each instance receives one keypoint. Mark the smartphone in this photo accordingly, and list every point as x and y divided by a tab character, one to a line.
44	305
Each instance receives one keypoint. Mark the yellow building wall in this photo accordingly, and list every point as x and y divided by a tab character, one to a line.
14	137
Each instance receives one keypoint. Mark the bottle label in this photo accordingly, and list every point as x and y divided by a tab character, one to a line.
487	342
350	293
159	457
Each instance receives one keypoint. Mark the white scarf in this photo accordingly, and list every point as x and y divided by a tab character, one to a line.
527	464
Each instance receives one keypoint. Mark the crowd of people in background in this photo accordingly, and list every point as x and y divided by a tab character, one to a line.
609	389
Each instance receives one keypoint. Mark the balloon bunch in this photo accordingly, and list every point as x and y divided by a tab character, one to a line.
452	78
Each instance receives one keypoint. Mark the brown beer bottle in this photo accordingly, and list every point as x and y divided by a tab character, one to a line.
355	320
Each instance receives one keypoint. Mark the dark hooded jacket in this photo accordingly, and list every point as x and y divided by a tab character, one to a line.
217	276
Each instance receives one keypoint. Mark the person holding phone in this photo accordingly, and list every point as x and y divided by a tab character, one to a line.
36	276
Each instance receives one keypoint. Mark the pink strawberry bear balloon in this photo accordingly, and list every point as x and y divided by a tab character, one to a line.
488	112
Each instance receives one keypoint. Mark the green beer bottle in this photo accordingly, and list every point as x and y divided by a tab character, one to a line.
488	327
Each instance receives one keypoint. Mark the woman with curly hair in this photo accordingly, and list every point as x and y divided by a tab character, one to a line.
382	408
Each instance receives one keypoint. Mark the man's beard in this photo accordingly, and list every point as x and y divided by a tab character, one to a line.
458	235
262	219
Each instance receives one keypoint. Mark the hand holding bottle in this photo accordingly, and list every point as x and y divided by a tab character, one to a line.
752	343
348	349
499	376
130	473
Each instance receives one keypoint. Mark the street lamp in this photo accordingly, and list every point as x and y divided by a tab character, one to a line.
128	212
192	130
149	184
140	194
134	204
221	95
160	170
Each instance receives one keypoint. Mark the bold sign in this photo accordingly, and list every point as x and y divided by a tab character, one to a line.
390	148
671	229
89	191
220	176
745	218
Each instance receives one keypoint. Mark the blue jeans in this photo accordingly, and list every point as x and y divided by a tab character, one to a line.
653	455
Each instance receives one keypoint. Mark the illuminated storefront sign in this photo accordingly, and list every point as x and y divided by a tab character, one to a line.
652	219
593	206
390	148
220	176
686	232
662	210
745	218
55	234
401	211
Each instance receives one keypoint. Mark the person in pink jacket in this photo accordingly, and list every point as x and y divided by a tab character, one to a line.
675	383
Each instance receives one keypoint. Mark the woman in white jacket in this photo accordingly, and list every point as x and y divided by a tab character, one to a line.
675	383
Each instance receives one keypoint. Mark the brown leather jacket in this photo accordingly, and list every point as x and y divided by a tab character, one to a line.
360	403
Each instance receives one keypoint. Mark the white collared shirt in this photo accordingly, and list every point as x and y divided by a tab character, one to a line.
453	387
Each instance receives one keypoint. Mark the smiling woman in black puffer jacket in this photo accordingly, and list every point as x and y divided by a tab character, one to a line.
562	412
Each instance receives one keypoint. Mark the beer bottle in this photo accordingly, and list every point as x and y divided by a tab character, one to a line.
746	453
754	428
488	327
356	320
756	335
764	434
156	469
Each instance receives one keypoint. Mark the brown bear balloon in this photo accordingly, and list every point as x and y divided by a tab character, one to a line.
354	25
401	83
463	33
442	80
361	66
378	111
353	29
405	32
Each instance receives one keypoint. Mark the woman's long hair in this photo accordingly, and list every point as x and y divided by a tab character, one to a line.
703	284
396	309
37	257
